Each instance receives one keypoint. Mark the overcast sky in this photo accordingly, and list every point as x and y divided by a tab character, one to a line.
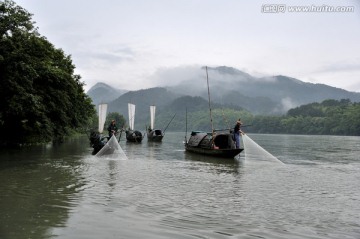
126	43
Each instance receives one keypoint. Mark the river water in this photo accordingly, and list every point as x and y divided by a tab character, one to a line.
160	191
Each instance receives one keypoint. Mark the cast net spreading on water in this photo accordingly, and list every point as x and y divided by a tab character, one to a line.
255	151
112	150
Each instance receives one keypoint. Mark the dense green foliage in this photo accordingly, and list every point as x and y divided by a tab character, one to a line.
41	99
119	119
331	117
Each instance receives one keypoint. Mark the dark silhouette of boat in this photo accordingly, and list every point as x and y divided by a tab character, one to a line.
133	135
155	135
97	140
216	143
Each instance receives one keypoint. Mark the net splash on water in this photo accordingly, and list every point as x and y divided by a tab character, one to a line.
112	150
256	152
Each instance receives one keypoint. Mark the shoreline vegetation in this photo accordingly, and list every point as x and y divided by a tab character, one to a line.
330	117
41	98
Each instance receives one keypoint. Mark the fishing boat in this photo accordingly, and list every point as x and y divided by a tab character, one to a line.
131	134
97	140
105	145
217	143
155	135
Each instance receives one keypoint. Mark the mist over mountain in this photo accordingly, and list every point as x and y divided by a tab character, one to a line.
228	86
260	95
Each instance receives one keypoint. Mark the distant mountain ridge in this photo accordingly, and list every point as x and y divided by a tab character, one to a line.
142	99
103	93
228	86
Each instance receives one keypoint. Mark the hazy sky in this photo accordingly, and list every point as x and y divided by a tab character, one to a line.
128	43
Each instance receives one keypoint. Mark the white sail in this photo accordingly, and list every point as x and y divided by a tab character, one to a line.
102	116
131	108
152	116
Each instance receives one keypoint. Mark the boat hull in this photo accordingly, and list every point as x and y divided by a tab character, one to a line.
155	138
134	136
216	145
155	135
222	153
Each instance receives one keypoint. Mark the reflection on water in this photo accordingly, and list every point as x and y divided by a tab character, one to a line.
161	191
38	188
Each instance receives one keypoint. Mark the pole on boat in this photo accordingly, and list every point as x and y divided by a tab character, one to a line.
169	123
211	121
121	130
185	125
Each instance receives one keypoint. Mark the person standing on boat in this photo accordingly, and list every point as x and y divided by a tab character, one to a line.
237	133
112	128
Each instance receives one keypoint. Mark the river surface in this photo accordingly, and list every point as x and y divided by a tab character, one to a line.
161	191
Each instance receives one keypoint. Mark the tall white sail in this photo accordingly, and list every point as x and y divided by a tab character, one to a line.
131	108
102	116
152	116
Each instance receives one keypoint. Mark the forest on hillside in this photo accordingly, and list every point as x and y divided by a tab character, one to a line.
330	117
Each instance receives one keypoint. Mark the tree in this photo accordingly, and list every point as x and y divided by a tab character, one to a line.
41	99
120	120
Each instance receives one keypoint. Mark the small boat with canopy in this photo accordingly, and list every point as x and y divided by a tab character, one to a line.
131	134
104	145
217	143
155	135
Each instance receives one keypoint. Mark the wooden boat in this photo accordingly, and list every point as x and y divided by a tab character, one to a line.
216	143
155	135
134	136
105	145
131	134
97	140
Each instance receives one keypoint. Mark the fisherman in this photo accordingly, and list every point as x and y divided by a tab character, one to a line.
237	133
112	128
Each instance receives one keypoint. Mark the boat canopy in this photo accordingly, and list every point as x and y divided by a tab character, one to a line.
196	138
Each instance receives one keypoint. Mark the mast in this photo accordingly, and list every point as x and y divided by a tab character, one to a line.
211	121
185	126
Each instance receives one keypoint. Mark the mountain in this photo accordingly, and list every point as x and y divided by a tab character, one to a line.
103	93
160	97
229	87
264	95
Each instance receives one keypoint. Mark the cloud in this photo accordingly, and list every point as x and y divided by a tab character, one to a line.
286	104
171	76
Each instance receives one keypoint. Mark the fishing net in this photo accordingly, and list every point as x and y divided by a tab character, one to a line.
253	151
112	149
